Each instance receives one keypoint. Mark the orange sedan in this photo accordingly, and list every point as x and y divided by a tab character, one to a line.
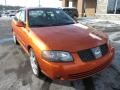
58	46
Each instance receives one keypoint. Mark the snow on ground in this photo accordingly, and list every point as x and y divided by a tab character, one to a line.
108	79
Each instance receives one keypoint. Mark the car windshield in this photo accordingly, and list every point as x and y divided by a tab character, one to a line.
48	17
71	12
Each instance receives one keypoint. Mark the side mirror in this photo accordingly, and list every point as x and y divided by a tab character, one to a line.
20	24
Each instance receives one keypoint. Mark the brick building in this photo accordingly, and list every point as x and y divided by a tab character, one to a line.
99	8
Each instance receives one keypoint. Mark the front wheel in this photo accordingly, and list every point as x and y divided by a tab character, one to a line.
33	62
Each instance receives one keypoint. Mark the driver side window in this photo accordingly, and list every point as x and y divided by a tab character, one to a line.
22	16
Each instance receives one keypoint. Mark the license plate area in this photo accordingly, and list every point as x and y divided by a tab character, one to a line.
97	52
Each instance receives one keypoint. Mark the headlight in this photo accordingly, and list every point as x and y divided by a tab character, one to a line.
56	56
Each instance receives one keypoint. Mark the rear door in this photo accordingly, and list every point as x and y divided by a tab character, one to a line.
23	32
20	31
15	28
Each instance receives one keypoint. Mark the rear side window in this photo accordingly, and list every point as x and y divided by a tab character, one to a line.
20	16
17	16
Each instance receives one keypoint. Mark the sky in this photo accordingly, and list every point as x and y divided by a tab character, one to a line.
32	3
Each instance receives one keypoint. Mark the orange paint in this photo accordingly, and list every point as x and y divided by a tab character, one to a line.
71	38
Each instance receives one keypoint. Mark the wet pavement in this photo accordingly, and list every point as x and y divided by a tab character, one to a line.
16	74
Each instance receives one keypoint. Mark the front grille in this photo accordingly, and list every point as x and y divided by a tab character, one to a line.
88	55
104	49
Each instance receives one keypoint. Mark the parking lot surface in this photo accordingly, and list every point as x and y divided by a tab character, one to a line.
16	73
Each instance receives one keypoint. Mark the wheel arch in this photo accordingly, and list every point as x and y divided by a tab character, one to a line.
28	48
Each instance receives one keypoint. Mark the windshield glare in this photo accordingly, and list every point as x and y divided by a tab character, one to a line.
48	17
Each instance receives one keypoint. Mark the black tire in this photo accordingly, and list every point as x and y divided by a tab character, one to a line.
15	39
34	64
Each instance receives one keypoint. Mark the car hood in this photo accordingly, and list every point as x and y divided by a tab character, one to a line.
71	38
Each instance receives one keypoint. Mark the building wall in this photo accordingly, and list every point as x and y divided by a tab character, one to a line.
65	3
101	7
101	11
90	6
93	8
80	6
85	7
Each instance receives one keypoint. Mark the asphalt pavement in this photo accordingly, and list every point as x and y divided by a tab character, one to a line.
16	73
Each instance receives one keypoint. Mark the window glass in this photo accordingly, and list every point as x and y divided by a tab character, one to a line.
71	12
17	16
111	6
48	17
22	16
118	7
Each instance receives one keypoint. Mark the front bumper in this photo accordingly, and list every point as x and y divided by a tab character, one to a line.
77	69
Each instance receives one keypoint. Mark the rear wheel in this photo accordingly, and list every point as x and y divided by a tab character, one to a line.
15	39
34	64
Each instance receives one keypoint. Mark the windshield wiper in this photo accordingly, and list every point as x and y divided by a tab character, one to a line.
48	25
65	23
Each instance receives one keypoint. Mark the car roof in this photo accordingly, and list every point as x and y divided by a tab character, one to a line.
30	8
68	8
